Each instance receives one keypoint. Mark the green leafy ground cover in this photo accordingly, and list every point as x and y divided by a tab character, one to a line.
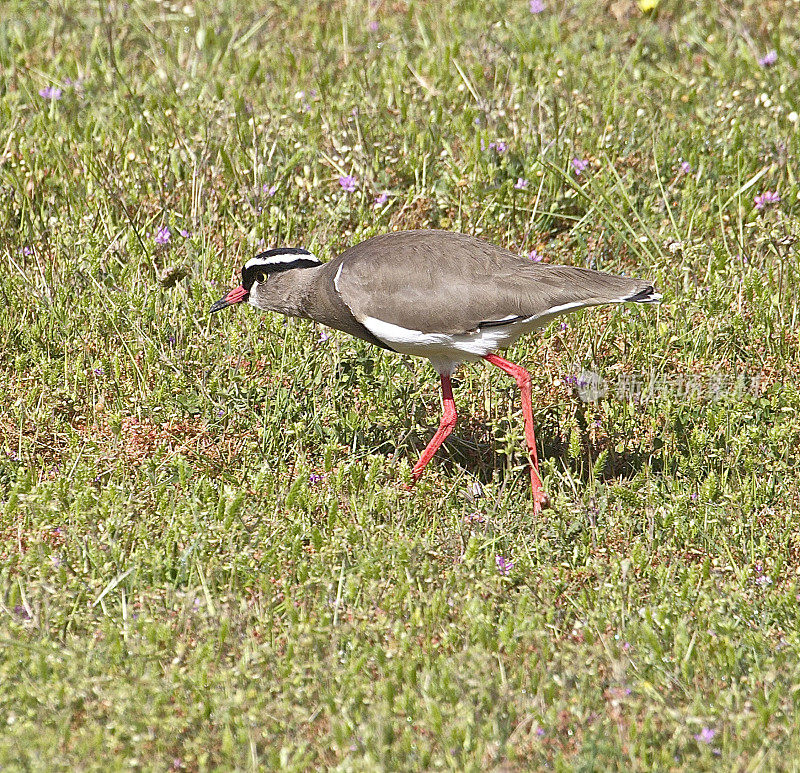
208	559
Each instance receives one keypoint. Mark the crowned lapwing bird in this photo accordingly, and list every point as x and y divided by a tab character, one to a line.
446	296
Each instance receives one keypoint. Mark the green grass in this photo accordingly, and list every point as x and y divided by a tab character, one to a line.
208	558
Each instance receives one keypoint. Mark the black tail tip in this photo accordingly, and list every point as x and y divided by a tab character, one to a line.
645	295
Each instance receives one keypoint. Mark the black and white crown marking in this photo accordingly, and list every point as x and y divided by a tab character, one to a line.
273	261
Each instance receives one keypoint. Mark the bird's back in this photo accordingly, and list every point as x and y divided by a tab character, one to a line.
445	282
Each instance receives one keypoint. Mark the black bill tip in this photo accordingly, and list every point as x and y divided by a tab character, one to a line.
237	295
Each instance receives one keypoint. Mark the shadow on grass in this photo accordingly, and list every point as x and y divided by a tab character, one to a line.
474	447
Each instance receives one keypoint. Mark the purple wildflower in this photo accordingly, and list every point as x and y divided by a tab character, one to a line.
348	183
521	184
184	233
706	735
373	26
535	256
536	6
498	146
270	190
22	612
381	199
564	327
540	731
324	335
685	167
766	198
50	92
769	58
163	235
99	372
26	251
314	478
504	565
579	165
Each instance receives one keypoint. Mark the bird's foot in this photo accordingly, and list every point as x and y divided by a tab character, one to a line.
415	476
540	501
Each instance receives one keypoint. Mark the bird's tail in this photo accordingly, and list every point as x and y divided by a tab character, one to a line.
643	295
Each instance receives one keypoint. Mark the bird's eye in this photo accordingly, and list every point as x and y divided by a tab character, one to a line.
262	278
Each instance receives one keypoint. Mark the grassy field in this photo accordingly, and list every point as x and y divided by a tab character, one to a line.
208	556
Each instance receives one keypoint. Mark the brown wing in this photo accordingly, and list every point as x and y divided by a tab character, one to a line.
445	282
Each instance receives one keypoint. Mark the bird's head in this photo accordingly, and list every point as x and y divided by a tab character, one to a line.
257	271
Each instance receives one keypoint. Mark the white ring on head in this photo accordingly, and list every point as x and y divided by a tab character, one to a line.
281	259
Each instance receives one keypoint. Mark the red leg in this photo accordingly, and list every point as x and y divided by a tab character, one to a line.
523	379
445	428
